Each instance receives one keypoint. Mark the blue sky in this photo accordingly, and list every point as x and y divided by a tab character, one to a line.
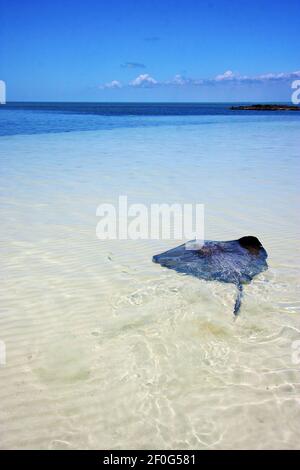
149	50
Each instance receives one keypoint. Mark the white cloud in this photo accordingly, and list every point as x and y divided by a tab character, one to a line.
278	76
235	77
143	80
228	75
112	84
179	80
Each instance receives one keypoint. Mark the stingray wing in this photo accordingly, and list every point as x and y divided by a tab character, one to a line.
222	261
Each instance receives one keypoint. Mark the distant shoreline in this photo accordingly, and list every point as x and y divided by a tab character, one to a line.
265	107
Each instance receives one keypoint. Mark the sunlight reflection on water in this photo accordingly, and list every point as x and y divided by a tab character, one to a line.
106	349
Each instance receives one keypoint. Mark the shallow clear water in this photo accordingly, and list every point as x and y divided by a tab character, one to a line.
106	349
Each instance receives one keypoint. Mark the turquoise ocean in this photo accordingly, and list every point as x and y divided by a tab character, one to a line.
105	349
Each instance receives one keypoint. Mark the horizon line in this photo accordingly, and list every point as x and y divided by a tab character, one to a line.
145	102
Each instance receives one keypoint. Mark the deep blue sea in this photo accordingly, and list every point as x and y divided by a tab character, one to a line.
37	118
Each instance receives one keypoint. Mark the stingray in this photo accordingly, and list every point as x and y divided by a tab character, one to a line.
234	261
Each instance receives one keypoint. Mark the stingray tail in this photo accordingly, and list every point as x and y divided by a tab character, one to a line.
238	301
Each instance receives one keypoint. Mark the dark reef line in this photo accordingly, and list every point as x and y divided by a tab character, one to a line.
265	107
